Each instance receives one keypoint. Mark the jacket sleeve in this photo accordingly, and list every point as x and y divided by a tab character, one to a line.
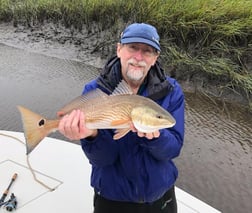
102	150
170	142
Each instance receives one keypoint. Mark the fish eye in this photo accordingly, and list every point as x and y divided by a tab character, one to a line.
159	116
41	122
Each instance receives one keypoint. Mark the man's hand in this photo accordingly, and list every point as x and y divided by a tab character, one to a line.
149	135
73	126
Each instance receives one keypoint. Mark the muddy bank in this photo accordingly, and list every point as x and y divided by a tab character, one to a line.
94	47
56	40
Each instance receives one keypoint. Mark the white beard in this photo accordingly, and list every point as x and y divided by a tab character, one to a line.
135	74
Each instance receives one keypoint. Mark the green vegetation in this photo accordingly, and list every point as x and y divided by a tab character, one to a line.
199	37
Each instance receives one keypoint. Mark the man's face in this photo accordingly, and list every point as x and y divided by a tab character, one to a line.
136	60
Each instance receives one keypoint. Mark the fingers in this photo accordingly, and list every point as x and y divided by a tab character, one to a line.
149	135
76	127
82	124
73	126
69	125
132	127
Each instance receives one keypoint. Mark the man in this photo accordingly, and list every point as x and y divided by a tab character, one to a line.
135	173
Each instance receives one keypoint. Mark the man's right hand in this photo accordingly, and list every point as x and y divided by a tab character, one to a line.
73	126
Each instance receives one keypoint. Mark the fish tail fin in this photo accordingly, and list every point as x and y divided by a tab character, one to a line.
36	127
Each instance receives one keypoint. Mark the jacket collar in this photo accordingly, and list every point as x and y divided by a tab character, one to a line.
156	84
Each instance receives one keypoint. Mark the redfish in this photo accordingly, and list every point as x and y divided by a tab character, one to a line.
116	111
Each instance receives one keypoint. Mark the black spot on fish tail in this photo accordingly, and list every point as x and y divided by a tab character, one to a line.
41	122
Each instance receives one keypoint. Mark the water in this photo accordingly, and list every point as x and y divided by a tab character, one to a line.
41	83
216	161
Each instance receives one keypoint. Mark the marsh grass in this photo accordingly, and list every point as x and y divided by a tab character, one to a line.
198	36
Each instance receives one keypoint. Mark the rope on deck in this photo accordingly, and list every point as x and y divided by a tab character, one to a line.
28	162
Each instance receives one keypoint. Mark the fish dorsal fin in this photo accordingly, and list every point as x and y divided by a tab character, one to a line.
96	93
122	89
77	103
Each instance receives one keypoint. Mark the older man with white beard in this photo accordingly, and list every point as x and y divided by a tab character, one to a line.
135	173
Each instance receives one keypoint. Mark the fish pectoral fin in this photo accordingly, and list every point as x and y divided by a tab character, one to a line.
119	133
119	122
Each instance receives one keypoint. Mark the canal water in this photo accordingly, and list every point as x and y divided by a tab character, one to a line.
215	164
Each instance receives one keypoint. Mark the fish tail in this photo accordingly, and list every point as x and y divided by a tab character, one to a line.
36	127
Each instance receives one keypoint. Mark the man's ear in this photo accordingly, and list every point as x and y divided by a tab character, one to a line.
155	59
118	49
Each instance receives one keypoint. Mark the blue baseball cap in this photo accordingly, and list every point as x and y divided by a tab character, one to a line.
141	33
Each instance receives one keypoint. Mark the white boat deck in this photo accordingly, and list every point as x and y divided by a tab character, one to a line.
63	166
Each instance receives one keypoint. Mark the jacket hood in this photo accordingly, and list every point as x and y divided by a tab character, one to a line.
156	84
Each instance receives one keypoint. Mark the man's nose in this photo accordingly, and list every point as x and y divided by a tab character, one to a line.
138	55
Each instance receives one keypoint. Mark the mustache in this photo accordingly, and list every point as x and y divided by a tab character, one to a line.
137	63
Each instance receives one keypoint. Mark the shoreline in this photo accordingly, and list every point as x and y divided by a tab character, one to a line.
90	47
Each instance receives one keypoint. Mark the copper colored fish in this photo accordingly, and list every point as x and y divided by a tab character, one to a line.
102	111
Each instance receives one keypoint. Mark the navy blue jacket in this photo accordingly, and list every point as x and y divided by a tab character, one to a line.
136	169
